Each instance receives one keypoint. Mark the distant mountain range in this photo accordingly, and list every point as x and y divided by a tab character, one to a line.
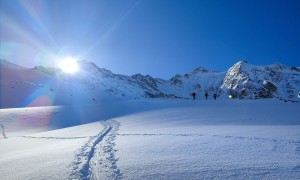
41	86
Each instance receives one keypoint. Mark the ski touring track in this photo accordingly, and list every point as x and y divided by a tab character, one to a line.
276	142
96	158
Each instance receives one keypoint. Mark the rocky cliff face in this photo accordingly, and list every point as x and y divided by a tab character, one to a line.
247	81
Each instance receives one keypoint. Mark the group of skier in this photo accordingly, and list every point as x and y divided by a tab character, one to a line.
194	94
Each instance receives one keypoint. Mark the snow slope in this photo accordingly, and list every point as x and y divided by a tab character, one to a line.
163	139
44	156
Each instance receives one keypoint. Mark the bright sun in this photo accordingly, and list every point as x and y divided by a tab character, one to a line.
69	65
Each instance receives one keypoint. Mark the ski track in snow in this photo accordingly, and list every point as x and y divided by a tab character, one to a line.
275	141
220	136
37	137
96	158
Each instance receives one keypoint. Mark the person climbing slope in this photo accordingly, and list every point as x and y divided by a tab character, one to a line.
194	95
206	95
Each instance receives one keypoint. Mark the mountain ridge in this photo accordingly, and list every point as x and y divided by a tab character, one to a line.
91	83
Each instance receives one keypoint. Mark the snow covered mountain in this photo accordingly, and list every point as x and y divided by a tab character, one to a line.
42	86
251	82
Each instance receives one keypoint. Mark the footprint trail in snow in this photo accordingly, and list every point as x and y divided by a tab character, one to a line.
96	158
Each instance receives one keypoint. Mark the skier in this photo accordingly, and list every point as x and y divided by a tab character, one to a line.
206	95
194	95
215	96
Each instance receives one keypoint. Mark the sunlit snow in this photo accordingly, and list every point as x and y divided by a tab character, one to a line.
161	139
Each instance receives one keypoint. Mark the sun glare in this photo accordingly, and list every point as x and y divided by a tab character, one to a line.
69	65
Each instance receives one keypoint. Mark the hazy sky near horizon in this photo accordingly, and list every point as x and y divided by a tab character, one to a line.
156	37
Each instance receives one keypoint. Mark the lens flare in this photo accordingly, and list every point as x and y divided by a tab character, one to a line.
69	65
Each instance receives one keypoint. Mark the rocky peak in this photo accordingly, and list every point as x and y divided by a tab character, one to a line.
148	80
200	69
238	71
239	67
176	80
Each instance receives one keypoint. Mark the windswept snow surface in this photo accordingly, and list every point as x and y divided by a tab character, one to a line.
153	139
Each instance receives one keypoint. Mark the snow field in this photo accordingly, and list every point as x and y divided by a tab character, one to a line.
187	143
46	155
161	139
212	155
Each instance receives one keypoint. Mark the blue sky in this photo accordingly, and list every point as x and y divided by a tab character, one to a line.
155	37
